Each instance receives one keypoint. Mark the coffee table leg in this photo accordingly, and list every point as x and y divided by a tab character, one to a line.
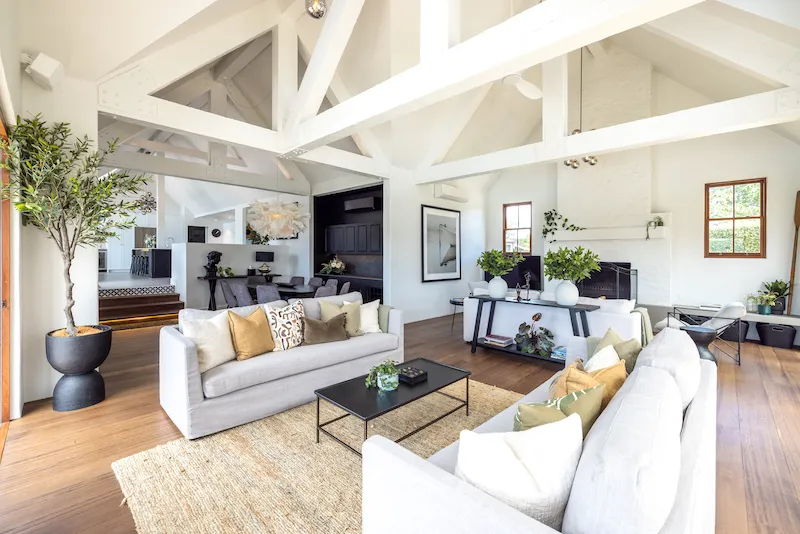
317	419
467	396
365	430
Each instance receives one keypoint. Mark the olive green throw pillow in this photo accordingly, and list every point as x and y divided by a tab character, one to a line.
383	317
627	350
586	403
329	310
315	332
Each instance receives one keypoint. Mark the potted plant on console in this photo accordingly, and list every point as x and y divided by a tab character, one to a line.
781	290
570	265
497	264
765	301
54	184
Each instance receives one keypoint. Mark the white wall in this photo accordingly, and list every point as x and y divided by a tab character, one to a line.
188	259
42	282
10	71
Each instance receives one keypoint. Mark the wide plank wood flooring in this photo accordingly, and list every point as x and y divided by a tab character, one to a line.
55	473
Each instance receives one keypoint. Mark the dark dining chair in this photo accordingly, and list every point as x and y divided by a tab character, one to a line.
255	280
297	280
325	291
242	295
332	282
316	282
230	298
345	288
266	294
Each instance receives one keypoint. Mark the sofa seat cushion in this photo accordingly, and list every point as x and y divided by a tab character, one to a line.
674	352
236	375
627	477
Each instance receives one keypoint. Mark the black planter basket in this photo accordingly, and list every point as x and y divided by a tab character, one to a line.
77	358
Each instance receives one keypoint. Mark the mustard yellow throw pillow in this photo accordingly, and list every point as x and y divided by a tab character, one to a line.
251	335
574	379
329	310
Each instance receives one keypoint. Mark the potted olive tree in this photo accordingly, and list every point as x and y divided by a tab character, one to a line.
570	265
54	183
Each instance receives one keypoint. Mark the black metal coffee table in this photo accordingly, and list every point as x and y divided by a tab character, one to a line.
353	397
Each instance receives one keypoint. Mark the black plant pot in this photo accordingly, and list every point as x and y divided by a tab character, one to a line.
780	306
77	358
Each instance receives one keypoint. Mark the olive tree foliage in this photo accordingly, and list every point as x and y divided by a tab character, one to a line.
54	183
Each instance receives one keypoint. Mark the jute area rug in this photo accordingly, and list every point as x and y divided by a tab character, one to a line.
270	475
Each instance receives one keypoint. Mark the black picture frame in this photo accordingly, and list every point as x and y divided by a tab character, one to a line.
196	234
428	269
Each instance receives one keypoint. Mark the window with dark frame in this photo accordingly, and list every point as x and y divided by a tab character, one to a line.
517	224
736	219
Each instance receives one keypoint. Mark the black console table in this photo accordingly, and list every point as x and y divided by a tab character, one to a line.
578	310
212	285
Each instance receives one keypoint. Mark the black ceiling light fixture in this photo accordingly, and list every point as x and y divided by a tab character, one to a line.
316	8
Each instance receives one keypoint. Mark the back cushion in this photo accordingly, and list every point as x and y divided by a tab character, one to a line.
674	351
192	314
311	306
627	477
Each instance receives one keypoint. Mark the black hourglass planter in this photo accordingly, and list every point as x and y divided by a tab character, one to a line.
77	358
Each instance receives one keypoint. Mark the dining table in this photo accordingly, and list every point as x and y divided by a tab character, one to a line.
295	292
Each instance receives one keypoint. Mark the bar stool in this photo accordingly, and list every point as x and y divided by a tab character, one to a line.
456	302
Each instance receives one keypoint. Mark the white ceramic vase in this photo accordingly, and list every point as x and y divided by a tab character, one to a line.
566	293
498	288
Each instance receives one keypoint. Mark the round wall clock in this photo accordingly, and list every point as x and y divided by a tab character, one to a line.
215	232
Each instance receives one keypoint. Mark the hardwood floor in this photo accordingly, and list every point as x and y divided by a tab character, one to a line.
55	473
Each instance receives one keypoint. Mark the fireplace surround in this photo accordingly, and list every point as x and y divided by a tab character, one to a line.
615	280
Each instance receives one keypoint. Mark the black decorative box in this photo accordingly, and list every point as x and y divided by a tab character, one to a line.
412	375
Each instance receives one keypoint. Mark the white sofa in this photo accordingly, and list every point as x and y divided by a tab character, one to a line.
239	392
645	468
614	314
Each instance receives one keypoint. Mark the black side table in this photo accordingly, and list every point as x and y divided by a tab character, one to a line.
456	302
702	337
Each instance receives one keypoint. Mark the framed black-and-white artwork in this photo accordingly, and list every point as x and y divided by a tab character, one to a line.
441	244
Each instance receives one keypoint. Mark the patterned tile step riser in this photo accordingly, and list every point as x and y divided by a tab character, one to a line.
134	291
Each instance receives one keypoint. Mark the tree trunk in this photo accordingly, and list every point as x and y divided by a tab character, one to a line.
71	329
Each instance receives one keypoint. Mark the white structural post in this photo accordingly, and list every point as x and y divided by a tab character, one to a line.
240	224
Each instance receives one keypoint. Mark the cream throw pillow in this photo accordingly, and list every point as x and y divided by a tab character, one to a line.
213	341
369	317
531	470
286	325
605	357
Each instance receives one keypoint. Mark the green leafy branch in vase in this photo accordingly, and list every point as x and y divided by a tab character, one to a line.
497	263
554	221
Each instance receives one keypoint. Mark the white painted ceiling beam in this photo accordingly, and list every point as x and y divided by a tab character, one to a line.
555	99
155	146
218	105
243	105
754	111
440	27
233	63
784	12
545	31
336	31
198	171
284	71
752	52
342	159
599	50
172	63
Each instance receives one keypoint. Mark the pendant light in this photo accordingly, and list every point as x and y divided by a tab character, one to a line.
316	8
591	160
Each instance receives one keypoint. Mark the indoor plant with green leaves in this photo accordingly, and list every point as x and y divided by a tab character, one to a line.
570	265
765	301
781	290
385	376
498	263
532	339
54	184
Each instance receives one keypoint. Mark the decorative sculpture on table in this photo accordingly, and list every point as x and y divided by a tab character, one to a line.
214	258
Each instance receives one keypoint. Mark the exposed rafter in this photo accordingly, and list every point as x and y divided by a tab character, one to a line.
545	31
769	59
339	24
284	71
599	50
440	27
764	109
555	99
233	63
155	146
783	12
341	159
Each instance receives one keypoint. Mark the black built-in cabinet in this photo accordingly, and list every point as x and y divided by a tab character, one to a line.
354	239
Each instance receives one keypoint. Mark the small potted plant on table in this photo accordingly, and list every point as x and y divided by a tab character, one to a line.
765	301
781	290
497	264
570	265
384	375
54	183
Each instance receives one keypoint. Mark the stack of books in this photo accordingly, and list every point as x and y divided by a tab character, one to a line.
559	353
498	341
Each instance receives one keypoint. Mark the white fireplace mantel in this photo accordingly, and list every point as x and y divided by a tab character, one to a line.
612	234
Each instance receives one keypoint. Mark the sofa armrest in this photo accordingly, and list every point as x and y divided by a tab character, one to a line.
396	326
180	390
441	502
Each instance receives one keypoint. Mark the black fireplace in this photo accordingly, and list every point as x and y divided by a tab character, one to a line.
615	280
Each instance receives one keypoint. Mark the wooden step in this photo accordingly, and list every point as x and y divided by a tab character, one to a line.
126	311
136	300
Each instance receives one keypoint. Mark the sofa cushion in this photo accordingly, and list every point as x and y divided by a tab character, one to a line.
192	314
311	305
574	378
586	403
317	332
213	340
251	335
236	375
627	350
627	477
674	352
352	312
286	325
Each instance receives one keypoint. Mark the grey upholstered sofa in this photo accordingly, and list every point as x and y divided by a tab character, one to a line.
638	473
238	392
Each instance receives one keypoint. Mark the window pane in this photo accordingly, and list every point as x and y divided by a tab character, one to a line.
747	236
512	216
525	216
720	236
748	200
511	240
524	241
720	202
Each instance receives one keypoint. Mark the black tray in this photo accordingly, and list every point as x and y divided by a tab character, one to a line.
412	375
